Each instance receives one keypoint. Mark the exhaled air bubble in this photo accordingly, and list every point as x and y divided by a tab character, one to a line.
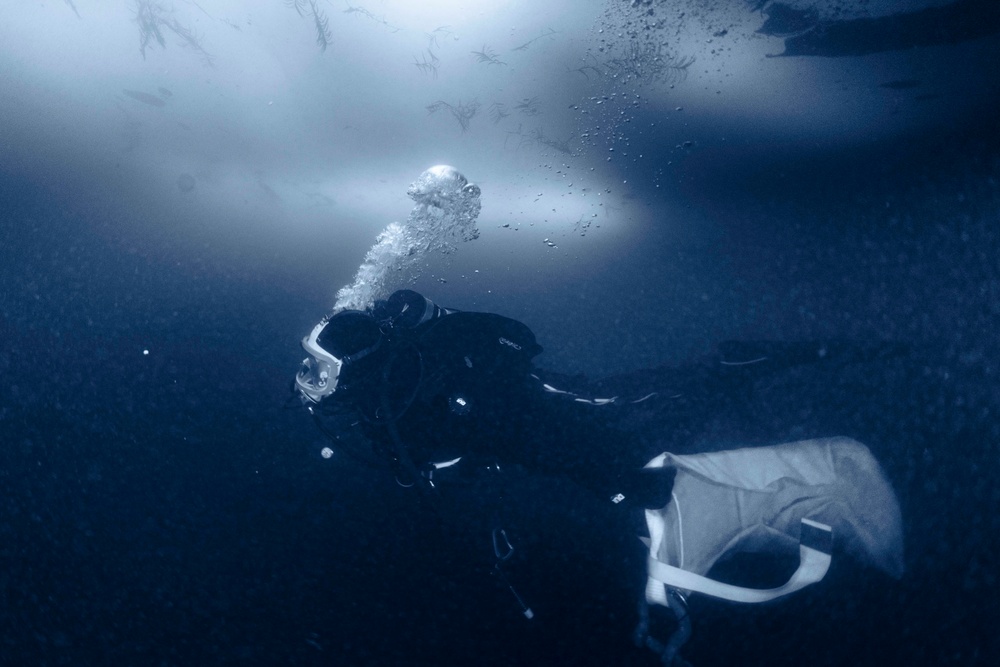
445	214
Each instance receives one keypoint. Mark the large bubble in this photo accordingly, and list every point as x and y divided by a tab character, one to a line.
445	214
440	186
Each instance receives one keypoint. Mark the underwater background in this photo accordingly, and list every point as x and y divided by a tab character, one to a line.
185	186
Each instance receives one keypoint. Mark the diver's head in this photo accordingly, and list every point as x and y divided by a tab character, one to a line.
442	185
406	309
337	342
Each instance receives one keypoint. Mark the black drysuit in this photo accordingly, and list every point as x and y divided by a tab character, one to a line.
463	385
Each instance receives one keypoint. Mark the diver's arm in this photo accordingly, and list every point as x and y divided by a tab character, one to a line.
567	438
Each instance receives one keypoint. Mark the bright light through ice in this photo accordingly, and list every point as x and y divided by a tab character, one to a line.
441	9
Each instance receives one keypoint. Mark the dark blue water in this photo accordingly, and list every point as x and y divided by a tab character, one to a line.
161	505
164	508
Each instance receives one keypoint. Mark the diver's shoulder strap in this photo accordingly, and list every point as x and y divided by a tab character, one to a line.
815	545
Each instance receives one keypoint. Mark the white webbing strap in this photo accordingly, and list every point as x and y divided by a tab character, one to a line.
814	560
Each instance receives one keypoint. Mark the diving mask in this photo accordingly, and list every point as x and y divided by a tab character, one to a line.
333	344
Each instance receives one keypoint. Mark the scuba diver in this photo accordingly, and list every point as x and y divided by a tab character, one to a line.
433	388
